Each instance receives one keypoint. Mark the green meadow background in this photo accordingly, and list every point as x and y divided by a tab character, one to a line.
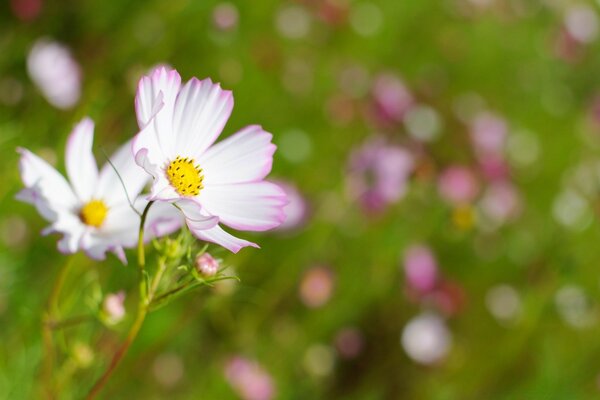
307	79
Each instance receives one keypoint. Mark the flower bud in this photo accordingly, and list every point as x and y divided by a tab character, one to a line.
206	265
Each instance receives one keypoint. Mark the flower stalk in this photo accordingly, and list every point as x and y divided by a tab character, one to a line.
145	297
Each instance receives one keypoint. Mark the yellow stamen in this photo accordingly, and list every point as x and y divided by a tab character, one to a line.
93	213
185	177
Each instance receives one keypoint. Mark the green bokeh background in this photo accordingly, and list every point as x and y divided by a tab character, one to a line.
505	53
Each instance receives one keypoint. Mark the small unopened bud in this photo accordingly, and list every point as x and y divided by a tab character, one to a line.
113	307
206	265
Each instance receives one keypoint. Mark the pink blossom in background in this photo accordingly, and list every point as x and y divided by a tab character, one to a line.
114	307
26	10
391	98
458	185
420	268
333	12
501	202
55	72
494	168
488	134
249	380
349	342
296	211
379	174
448	298
225	16
316	287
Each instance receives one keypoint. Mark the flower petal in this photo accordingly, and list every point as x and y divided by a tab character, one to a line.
163	219
81	165
217	235
201	111
73	231
195	217
47	186
246	156
132	179
254	206
154	104
161	188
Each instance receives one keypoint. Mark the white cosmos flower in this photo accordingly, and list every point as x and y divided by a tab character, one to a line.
91	210
209	183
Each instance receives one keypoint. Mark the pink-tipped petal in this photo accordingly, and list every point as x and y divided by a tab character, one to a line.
201	111
132	179
195	217
163	219
80	162
254	206
218	236
246	156
155	102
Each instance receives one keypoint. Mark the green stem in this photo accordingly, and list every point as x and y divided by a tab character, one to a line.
141	255
48	340
142	311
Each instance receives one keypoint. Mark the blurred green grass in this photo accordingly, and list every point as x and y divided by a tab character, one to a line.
508	60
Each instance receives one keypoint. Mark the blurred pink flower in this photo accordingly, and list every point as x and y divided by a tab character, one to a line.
316	287
349	342
26	10
458	185
420	268
55	72
494	168
379	174
225	16
296	211
448	297
501	202
488	134
113	306
391	97
333	12
249	380
206	265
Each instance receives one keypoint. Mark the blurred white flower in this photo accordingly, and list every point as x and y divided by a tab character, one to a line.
92	210
503	302
426	339
581	22
55	72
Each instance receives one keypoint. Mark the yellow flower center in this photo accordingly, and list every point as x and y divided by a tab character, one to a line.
93	213
185	177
